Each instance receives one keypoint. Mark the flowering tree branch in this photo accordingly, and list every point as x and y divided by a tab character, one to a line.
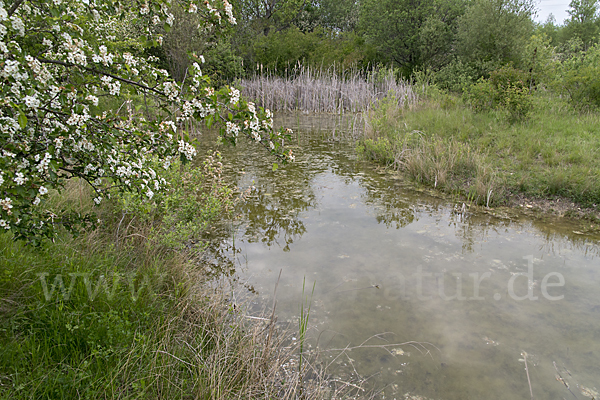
96	71
56	123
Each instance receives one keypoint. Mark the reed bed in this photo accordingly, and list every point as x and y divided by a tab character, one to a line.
318	90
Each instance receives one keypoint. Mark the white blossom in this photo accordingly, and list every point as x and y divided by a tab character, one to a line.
6	204
229	12
20	178
235	96
18	25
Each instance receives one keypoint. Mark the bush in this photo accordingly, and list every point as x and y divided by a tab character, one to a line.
455	77
179	215
506	89
580	78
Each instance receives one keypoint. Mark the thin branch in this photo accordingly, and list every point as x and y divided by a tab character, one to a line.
128	81
524	354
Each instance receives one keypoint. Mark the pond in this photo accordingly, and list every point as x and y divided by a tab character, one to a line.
473	294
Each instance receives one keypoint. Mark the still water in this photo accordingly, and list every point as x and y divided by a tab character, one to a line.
476	294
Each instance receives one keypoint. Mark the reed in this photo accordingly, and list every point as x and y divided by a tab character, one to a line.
331	90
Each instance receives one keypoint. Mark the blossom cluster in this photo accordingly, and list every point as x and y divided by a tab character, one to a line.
56	122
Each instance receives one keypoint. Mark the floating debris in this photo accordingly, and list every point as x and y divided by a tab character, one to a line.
587	392
398	352
487	340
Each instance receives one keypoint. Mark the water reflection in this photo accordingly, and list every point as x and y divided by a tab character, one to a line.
392	264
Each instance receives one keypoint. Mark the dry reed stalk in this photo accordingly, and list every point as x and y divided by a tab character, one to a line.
524	354
325	91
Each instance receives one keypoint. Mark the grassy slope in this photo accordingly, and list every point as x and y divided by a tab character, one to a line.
554	153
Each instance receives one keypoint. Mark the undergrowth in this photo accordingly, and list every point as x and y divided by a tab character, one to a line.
487	156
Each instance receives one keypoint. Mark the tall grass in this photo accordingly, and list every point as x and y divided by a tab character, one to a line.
485	156
316	90
179	336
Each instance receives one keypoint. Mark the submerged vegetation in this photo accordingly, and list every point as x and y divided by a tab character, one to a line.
493	144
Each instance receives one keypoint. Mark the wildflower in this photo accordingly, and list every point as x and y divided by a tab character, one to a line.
43	190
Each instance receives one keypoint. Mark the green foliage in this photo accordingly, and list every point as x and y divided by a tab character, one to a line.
554	154
61	59
579	77
506	89
281	51
380	150
223	65
411	34
455	76
493	33
179	215
540	61
583	22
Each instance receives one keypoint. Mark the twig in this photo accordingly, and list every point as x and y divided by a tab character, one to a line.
524	354
560	378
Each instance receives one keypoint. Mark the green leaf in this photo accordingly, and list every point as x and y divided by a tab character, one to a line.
275	166
167	28
22	120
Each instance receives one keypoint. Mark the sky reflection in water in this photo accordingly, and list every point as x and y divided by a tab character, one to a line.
393	262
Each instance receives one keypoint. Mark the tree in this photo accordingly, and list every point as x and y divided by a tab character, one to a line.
493	33
264	15
583	21
412	33
64	80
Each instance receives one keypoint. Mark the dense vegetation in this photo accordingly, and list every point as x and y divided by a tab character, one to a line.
99	99
519	97
458	41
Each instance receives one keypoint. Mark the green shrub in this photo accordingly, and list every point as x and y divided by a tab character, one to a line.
580	78
177	217
455	77
506	89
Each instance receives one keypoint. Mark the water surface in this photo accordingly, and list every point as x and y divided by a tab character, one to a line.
392	264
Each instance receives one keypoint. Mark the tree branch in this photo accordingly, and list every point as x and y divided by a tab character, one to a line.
14	7
96	71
